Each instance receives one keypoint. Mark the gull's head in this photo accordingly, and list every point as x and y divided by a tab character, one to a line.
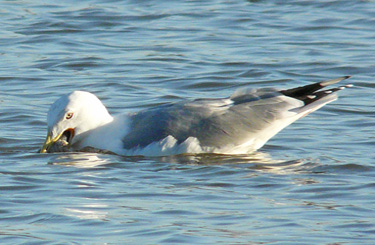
72	115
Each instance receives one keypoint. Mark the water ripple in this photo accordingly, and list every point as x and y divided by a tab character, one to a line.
313	183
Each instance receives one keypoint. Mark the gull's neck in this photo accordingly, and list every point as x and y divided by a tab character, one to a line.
107	137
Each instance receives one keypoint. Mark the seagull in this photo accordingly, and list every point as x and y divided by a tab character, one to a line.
239	124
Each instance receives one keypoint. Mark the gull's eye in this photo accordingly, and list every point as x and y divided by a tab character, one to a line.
69	115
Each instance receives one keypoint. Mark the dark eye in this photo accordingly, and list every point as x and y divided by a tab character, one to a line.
69	115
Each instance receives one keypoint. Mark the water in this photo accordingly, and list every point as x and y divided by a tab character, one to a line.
311	184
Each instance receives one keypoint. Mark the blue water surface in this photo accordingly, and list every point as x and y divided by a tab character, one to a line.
311	184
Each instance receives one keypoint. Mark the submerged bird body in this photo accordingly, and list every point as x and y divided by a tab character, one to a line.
242	123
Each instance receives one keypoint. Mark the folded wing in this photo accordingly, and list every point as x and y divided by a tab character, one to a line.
248	117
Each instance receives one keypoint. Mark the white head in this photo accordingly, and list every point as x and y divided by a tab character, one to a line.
72	115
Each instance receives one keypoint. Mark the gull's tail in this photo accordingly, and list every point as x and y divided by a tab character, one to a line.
310	93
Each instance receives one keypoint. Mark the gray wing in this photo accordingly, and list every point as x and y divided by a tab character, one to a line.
245	115
214	122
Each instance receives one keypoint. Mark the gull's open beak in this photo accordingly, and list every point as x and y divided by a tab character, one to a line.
50	141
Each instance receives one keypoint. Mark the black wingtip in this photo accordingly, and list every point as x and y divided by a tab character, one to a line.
310	93
311	88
